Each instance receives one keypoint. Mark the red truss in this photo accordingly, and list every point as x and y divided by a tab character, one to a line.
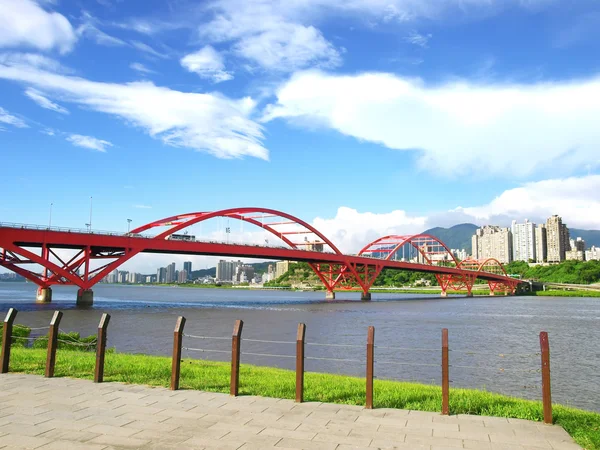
22	247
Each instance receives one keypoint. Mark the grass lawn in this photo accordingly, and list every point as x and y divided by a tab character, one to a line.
268	382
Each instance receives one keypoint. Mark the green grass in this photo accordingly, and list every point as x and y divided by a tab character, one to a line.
584	426
567	293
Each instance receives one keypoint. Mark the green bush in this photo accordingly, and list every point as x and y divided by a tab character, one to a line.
69	341
19	333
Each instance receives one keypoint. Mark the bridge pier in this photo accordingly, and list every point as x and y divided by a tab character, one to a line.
365	296
330	295
469	294
85	297
443	294
43	295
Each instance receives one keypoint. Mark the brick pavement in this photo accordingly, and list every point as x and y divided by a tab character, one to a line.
64	413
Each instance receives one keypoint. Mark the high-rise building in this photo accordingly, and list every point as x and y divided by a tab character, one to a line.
459	254
523	237
171	275
492	242
541	244
182	276
225	270
557	238
187	266
161	275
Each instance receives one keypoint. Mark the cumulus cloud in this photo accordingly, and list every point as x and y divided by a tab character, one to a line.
207	122
88	142
39	98
458	127
207	63
10	119
26	23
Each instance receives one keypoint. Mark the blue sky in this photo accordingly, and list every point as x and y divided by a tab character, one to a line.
363	116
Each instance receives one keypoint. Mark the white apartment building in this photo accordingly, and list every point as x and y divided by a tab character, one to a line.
592	254
557	236
523	237
493	242
541	243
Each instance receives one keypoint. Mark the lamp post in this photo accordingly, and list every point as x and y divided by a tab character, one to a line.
50	218
90	213
128	225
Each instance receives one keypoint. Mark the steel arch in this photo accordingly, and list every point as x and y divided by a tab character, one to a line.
491	265
392	243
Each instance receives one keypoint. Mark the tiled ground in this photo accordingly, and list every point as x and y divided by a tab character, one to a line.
63	413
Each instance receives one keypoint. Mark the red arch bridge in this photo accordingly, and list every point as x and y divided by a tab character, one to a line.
37	253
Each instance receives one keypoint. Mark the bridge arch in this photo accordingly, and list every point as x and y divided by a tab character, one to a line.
430	248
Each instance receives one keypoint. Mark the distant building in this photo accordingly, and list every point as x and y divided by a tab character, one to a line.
314	246
171	275
187	266
592	254
182	276
282	267
577	251
557	238
122	278
523	237
493	242
161	275
459	254
541	244
226	270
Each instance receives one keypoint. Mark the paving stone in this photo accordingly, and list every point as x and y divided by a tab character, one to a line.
71	445
67	413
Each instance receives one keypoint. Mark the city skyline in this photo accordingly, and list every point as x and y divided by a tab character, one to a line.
153	111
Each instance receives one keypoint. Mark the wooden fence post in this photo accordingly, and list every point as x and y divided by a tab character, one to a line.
445	374
546	391
235	357
52	343
101	348
176	364
370	366
300	362
7	338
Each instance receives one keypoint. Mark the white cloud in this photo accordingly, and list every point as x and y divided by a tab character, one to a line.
147	49
39	98
88	142
139	67
90	31
350	230
422	40
140	206
458	127
32	60
25	23
205	122
9	119
262	34
207	63
576	199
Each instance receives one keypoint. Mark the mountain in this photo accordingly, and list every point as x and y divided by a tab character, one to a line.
458	236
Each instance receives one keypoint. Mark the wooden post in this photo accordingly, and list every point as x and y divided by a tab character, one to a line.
300	362
546	391
236	341
7	338
52	343
176	364
101	348
445	374
370	366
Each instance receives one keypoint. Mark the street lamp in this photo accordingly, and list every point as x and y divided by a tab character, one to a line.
50	218
227	231
128	225
89	225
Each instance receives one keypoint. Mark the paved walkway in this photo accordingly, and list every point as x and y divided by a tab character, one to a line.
63	413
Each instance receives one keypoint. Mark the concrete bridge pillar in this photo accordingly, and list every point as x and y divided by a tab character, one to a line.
469	294
85	297
43	295
444	294
330	295
365	296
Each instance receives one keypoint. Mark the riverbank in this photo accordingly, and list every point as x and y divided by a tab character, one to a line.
583	426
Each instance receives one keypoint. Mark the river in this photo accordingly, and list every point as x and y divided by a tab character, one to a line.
494	341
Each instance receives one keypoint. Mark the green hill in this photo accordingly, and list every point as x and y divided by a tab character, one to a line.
458	236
